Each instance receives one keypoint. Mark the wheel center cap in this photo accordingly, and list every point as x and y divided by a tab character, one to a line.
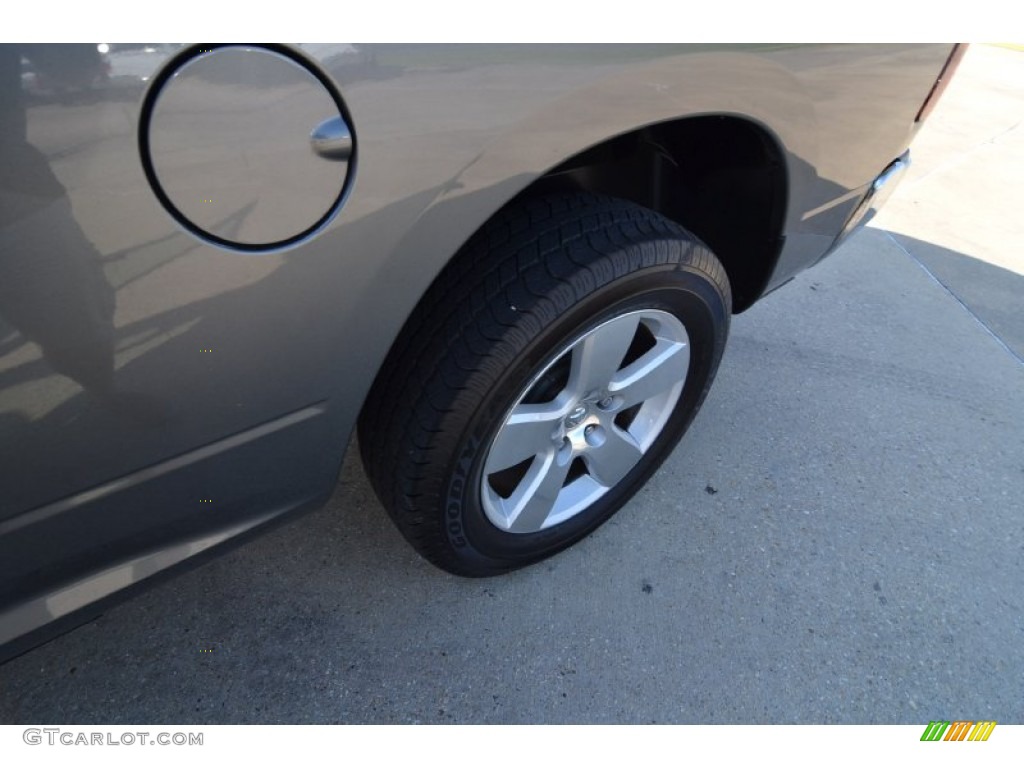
576	416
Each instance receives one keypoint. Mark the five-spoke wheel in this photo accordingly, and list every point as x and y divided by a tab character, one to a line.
554	456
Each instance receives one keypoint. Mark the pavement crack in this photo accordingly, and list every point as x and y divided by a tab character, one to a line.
958	300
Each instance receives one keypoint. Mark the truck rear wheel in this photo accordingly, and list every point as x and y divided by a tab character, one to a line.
551	368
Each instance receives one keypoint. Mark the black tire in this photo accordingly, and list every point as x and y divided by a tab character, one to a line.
551	286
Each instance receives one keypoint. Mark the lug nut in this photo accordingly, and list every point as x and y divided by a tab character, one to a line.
594	436
605	403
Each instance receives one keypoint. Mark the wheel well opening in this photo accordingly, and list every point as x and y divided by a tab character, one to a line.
723	178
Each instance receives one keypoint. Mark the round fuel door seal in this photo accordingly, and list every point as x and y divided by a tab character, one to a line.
247	146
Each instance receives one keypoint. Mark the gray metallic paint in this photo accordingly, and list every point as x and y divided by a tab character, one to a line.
132	352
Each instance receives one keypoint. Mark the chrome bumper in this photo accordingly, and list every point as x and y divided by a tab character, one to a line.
878	192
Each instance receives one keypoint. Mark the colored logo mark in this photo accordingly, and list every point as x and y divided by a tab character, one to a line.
958	730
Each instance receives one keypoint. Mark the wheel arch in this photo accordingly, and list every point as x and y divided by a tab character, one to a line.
724	149
722	177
